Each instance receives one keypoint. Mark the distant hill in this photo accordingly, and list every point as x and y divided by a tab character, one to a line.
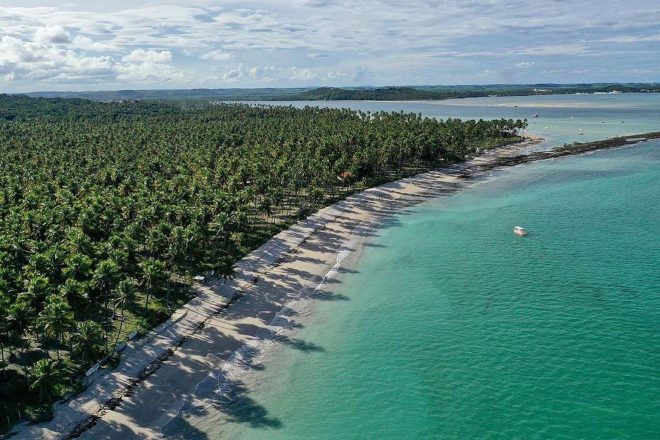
402	93
380	93
266	94
466	91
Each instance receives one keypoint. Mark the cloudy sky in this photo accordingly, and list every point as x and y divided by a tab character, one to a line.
130	44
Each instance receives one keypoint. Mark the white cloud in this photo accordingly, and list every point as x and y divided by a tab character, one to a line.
259	73
15	51
144	65
234	74
52	34
554	49
216	55
319	3
305	74
89	65
145	72
39	61
632	38
36	61
337	75
266	73
86	43
142	56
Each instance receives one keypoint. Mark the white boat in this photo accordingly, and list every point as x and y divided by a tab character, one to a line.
519	231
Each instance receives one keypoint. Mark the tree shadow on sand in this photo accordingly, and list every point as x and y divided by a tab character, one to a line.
239	407
234	404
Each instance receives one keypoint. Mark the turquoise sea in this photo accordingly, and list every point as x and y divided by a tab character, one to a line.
447	326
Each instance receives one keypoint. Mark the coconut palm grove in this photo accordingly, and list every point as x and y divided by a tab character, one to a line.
108	211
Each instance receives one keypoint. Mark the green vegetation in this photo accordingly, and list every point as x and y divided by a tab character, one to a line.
360	93
472	91
381	93
108	209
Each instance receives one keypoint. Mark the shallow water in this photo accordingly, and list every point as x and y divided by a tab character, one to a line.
449	326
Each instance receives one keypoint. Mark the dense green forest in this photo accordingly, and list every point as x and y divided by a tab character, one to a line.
405	93
108	209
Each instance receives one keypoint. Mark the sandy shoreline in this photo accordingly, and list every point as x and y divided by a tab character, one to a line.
179	363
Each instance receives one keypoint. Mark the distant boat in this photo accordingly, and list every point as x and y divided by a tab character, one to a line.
519	231
535	115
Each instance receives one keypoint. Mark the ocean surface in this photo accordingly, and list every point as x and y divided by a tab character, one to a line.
447	326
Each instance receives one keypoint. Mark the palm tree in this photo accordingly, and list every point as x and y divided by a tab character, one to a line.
37	288
77	266
104	279
45	376
5	335
125	292
18	319
56	319
86	340
153	276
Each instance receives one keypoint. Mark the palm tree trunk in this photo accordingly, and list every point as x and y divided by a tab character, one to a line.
106	320
57	349
146	303
121	323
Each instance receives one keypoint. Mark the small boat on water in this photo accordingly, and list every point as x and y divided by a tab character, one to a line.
519	231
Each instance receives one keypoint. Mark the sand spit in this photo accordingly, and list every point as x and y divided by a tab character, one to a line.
160	373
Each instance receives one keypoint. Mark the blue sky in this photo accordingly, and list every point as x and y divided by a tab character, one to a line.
121	44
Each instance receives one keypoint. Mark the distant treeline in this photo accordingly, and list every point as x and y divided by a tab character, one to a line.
406	93
472	91
20	107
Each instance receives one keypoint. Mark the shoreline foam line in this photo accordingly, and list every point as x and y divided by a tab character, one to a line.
219	303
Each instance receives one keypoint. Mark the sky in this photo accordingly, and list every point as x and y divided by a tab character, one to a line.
136	44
